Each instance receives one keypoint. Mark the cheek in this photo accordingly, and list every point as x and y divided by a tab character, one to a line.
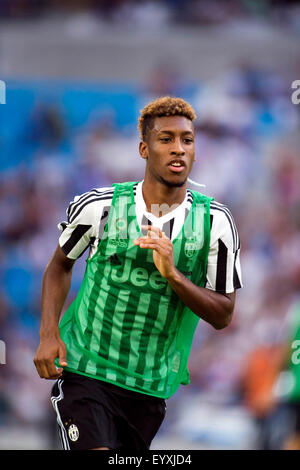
157	157
191	158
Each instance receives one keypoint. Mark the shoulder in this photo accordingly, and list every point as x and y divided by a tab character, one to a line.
89	203
223	225
221	212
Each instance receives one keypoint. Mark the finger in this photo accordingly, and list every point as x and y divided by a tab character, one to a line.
42	369
39	367
140	240
163	242
153	231
154	246
46	367
51	371
62	356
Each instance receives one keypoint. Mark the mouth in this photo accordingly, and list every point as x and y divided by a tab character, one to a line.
176	166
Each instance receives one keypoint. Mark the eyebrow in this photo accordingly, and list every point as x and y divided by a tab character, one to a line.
172	132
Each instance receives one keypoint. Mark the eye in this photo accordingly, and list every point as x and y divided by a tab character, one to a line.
188	140
164	139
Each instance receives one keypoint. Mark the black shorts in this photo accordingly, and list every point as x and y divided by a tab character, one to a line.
295	407
92	413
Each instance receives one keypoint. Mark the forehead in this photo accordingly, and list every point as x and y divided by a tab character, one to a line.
174	124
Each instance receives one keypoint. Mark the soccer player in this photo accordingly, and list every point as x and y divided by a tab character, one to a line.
161	257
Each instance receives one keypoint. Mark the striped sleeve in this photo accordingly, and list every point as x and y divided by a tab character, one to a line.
223	267
86	217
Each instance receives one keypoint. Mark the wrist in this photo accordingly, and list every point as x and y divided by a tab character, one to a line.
173	276
49	333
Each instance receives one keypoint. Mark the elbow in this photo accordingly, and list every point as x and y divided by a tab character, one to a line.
223	322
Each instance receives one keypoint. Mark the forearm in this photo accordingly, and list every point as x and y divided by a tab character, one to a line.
211	306
55	288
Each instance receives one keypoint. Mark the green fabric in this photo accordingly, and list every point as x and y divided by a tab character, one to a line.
294	359
126	325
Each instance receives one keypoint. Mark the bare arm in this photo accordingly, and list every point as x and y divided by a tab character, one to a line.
56	284
213	307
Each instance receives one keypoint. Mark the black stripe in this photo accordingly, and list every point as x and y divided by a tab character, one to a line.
168	228
93	192
231	222
236	280
103	221
145	221
171	227
211	223
103	198
92	240
63	225
77	234
82	198
88	194
221	267
227	211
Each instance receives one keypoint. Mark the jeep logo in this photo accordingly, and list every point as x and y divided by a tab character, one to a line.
139	277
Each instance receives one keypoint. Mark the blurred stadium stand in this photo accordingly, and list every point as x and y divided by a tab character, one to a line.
76	79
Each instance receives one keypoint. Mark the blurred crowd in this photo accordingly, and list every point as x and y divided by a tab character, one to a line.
159	12
247	137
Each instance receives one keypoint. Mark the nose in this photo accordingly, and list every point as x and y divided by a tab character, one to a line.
177	148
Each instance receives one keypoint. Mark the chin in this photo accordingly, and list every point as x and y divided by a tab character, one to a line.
173	184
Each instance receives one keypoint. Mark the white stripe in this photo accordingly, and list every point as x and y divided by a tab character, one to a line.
238	268
84	197
79	199
87	196
196	184
55	401
217	206
92	198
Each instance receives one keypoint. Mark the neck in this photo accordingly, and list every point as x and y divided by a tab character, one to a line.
160	198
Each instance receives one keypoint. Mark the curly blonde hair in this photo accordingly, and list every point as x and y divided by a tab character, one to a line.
165	106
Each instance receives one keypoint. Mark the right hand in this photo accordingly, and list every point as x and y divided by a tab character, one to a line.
49	349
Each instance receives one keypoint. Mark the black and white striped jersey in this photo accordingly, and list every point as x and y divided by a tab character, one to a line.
88	213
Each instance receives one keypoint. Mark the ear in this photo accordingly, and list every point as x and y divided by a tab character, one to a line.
143	148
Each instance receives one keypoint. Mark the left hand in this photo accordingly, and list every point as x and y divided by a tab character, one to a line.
162	247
